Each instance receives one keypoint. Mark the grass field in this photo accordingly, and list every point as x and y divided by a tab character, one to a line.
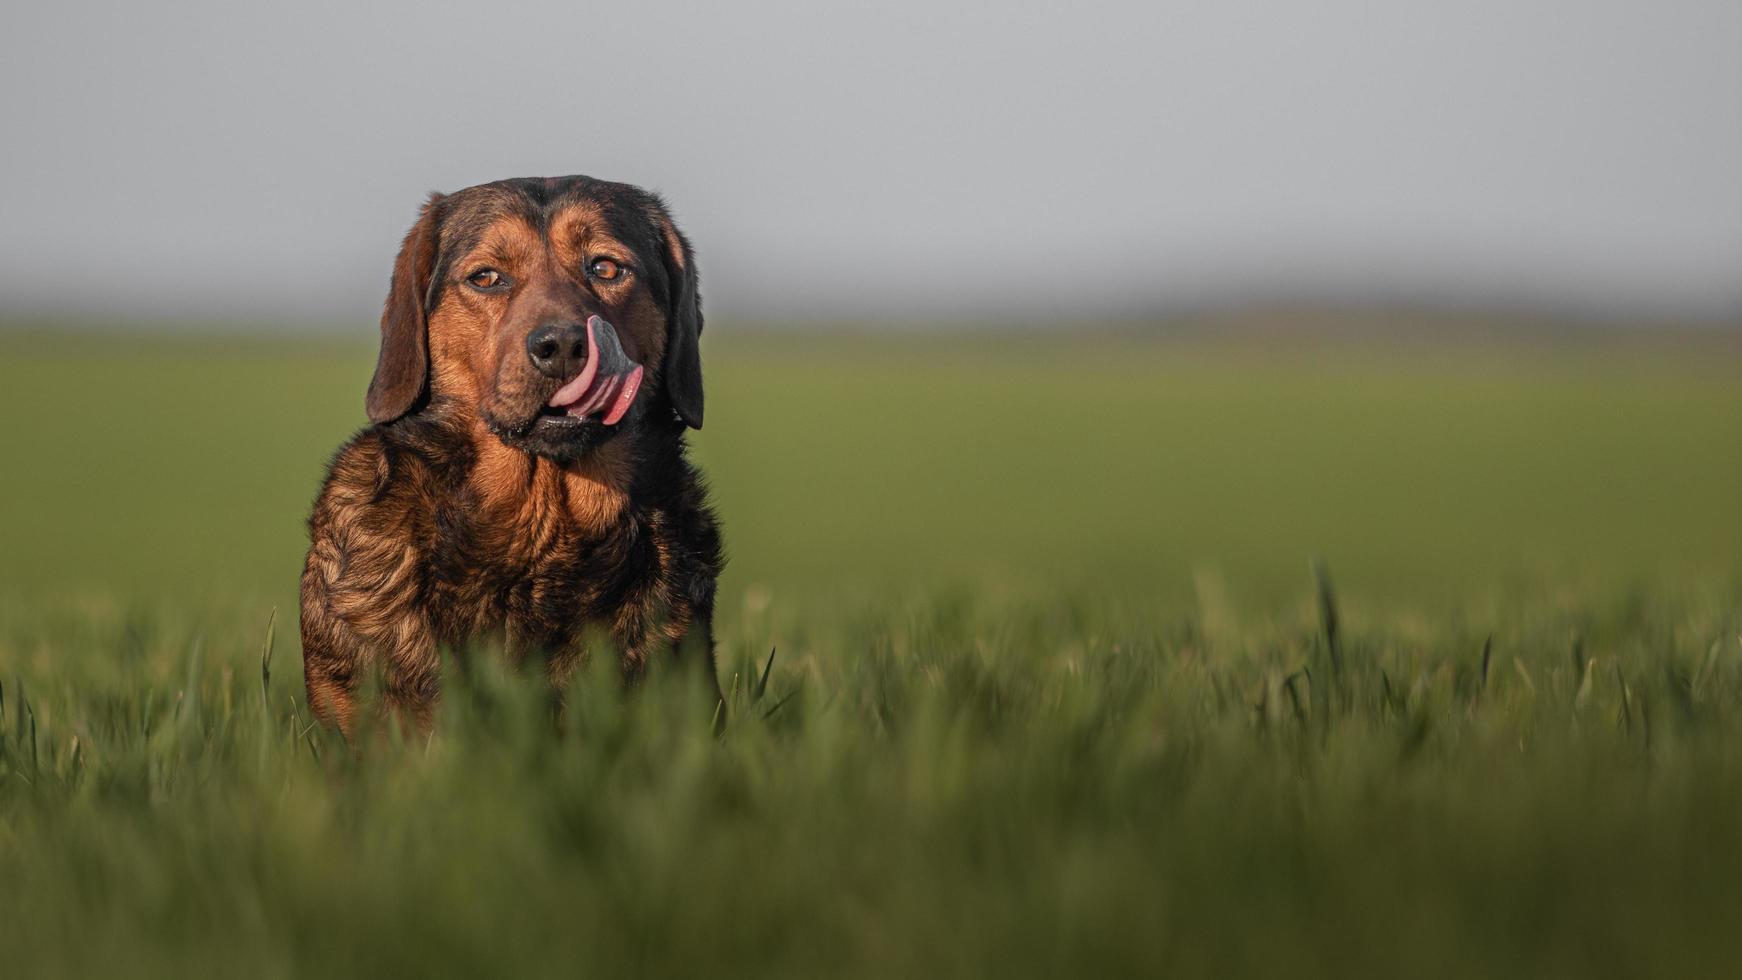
1056	692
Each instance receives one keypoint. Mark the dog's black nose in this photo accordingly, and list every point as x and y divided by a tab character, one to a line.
558	350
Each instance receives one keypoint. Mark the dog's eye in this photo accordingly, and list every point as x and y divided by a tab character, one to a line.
606	270
485	279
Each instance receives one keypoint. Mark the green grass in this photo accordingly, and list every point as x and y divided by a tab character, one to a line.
1055	693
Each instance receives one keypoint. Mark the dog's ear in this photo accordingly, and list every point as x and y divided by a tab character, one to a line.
682	371
402	367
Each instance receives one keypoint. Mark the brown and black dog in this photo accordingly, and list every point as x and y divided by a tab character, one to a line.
524	478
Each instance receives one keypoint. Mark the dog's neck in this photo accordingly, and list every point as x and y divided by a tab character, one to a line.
591	492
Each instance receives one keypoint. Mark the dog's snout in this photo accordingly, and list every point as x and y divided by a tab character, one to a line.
558	350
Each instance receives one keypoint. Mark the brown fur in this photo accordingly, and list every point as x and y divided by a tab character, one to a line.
452	518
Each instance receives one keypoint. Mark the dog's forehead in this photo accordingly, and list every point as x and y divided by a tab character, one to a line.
546	205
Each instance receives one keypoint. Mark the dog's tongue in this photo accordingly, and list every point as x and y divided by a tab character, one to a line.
609	382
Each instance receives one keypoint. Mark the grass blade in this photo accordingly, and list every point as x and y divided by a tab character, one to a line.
266	659
762	682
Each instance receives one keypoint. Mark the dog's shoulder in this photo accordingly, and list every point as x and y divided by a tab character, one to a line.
667	479
393	469
686	520
378	506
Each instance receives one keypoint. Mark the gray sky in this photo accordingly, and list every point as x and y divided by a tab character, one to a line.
894	160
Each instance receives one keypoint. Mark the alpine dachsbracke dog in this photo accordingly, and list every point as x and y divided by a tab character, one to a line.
523	480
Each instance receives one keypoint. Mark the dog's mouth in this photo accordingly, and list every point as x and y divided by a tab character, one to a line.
604	389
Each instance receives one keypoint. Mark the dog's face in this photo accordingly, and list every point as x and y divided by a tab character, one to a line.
562	311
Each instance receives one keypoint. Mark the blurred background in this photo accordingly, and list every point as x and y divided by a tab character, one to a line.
1126	295
895	162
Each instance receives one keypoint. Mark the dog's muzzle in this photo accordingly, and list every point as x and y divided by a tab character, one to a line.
604	386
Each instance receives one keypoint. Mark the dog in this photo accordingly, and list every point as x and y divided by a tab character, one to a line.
523	480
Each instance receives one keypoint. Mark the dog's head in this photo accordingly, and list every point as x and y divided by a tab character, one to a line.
561	310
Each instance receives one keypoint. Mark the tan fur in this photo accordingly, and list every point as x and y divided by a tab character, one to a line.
438	529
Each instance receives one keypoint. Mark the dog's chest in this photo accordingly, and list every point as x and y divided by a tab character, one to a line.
538	575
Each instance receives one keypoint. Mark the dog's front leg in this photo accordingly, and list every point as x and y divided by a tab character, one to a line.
335	653
359	605
686	640
412	681
694	650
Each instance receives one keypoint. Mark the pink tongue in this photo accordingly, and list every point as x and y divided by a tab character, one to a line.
596	398
588	393
577	386
625	396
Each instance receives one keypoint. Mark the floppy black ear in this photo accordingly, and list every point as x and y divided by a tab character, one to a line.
402	367
683	343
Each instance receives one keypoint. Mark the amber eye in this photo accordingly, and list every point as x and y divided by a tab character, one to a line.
606	270
485	279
